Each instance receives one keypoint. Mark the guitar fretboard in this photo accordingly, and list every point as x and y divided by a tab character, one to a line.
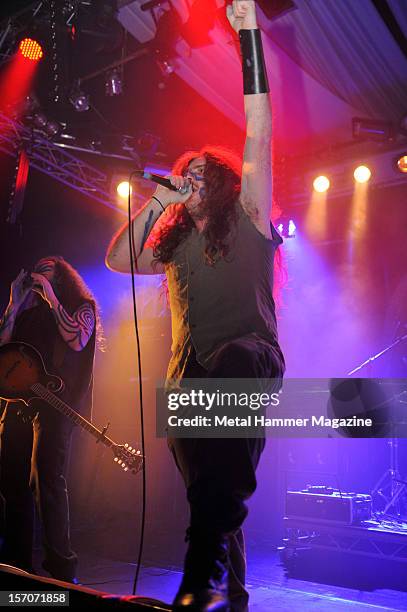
74	416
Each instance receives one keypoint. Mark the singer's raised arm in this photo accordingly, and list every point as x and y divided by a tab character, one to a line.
256	189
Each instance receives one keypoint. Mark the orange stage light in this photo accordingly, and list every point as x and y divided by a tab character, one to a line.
31	49
321	184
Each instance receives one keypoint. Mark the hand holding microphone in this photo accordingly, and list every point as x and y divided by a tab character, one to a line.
172	189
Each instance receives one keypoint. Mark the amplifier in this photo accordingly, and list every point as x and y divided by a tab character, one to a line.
328	505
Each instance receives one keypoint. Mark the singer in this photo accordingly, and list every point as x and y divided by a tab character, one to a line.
216	245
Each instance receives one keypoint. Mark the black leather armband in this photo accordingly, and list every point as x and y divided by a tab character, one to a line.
254	68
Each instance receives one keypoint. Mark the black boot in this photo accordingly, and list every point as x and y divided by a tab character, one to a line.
204	585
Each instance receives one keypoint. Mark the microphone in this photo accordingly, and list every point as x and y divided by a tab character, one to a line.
161	180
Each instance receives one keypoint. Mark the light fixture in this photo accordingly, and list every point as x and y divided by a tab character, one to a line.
166	67
401	164
123	189
114	83
31	49
287	228
79	99
291	228
39	120
362	174
321	184
49	127
53	128
372	129
201	21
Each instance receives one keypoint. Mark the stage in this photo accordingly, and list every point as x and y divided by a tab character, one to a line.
269	587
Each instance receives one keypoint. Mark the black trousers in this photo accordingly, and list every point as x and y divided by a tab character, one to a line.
33	462
220	474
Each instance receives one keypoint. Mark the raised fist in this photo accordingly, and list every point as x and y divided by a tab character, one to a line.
242	15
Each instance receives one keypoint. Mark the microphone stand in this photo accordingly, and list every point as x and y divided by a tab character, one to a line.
370	360
391	479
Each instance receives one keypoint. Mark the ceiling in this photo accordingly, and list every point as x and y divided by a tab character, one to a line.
328	61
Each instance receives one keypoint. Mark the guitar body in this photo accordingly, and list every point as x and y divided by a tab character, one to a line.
21	366
23	377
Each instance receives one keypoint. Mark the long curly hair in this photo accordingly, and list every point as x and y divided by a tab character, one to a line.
222	189
222	176
72	291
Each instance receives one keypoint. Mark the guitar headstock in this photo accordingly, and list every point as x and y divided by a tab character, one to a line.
129	458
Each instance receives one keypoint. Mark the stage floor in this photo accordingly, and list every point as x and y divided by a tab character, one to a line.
269	588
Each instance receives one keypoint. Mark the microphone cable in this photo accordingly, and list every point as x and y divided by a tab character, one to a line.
133	268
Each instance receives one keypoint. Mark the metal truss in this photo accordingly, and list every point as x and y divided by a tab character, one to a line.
50	159
371	540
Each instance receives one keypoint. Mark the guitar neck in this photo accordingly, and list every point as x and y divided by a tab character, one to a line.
74	416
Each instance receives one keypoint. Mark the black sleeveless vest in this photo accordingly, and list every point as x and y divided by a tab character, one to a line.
213	304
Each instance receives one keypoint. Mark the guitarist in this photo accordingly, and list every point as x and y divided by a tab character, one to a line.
52	309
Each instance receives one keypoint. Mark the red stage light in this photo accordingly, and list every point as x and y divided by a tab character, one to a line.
31	49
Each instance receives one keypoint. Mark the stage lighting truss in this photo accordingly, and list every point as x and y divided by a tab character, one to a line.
51	159
294	177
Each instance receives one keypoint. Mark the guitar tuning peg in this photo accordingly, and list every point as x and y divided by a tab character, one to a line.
126	445
116	459
126	469
130	448
134	451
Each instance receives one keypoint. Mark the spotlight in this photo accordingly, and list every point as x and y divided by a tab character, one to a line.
123	189
53	128
166	67
291	228
50	127
79	100
321	184
362	174
201	21
31	49
40	120
114	83
287	229
402	164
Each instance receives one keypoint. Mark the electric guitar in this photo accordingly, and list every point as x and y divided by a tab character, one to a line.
23	377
